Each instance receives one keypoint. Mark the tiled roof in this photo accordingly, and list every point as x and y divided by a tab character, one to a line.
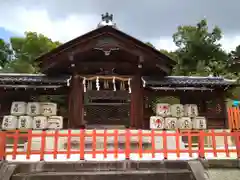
7	78
188	81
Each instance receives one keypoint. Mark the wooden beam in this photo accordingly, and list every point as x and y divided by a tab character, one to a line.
103	63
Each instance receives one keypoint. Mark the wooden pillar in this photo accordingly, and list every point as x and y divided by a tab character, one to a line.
137	102
223	104
76	108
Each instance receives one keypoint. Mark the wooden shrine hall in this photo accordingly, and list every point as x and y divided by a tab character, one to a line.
110	78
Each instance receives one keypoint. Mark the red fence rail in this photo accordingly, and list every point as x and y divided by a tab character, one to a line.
132	142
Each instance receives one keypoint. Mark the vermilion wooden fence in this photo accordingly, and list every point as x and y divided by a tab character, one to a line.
234	118
127	150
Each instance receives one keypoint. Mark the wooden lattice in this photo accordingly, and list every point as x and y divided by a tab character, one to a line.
108	114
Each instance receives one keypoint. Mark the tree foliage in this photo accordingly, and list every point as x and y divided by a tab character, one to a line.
25	50
5	53
199	51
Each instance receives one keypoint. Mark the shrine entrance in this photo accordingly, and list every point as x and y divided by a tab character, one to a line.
107	102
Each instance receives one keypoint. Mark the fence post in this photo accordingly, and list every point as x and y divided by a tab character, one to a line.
236	135
115	141
140	146
127	143
43	145
165	146
2	145
82	144
177	137
153	143
29	144
55	148
15	144
201	145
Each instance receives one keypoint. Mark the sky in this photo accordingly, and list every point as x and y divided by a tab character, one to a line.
154	21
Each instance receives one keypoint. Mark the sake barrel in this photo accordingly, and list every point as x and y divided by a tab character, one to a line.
18	108
156	122
55	122
199	122
33	109
25	122
184	123
177	110
9	122
163	109
39	122
48	109
190	110
170	123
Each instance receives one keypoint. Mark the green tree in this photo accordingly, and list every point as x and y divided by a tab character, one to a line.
199	51
26	50
5	53
234	61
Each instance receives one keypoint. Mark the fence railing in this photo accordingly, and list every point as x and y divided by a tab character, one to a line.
234	117
118	144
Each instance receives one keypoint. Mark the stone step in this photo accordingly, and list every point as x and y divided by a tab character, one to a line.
169	174
82	166
6	170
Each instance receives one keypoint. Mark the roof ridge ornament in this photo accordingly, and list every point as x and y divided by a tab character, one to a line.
107	20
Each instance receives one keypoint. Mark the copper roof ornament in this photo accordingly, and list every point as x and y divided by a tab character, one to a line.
107	20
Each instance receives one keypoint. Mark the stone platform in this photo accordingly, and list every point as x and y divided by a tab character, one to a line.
149	170
85	170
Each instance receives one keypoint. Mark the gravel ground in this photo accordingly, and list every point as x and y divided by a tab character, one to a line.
224	174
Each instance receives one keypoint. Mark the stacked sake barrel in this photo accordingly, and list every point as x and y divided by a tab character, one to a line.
177	116
32	115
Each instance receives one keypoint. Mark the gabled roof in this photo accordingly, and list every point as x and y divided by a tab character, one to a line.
183	81
107	30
